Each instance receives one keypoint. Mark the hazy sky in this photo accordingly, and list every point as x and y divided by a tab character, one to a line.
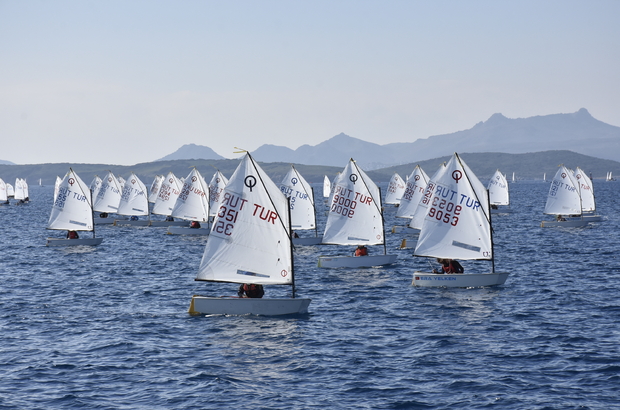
125	82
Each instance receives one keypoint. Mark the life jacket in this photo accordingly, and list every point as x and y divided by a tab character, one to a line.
194	224
253	290
361	251
451	268
73	235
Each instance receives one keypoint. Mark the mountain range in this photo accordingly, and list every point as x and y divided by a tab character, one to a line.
578	132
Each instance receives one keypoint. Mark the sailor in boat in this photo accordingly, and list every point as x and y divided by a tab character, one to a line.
250	291
449	266
361	251
560	218
169	218
103	215
194	224
72	235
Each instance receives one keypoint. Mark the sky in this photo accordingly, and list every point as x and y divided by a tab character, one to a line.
126	82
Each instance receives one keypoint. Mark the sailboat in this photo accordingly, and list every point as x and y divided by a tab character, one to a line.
216	192
166	198
610	177
21	191
498	193
416	183
564	200
10	191
303	212
72	211
395	190
586	191
250	242
134	202
417	218
192	205
327	187
4	198
355	218
457	225
155	187
107	200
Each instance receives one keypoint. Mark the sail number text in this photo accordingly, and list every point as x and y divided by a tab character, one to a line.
229	211
344	203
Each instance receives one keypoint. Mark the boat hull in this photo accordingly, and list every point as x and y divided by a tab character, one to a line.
355	261
185	230
169	223
465	280
247	306
129	222
569	223
103	221
313	240
73	242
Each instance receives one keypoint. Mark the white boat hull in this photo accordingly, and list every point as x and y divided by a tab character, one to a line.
589	218
462	280
247	306
169	223
313	240
73	242
355	261
103	221
569	223
185	230
124	222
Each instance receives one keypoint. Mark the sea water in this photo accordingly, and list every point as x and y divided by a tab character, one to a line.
107	327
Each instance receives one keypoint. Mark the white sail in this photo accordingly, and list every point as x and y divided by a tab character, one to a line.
72	210
108	198
167	196
417	219
3	196
10	191
498	189
121	183
416	183
134	199
457	224
327	187
295	187
250	236
395	190
586	190
20	189
563	197
354	216
193	201
95	185
216	190
155	187
57	186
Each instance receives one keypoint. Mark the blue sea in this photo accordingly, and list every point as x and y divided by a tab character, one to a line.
107	327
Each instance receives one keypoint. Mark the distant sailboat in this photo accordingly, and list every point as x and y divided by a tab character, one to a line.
216	192
192	205
563	200
355	218
72	211
4	199
395	190
166	198
327	187
107	199
303	211
133	203
498	193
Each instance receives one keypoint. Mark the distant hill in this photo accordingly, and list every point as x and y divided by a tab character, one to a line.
577	132
6	162
525	166
192	151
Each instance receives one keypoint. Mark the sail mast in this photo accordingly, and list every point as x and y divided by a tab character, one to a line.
290	228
